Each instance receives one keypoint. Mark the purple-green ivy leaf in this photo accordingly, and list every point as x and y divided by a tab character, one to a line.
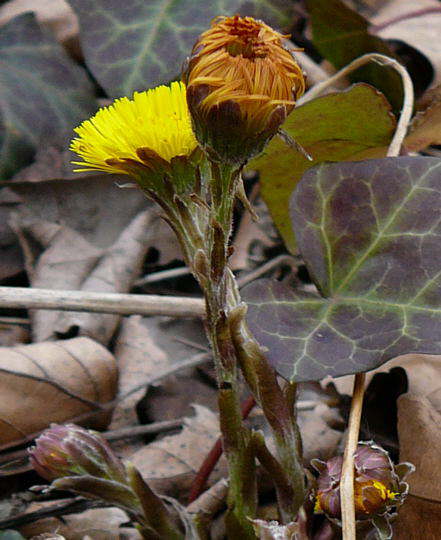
370	234
135	44
352	125
43	93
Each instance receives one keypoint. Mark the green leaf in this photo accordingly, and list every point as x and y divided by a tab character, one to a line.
370	234
135	44
43	93
350	125
341	35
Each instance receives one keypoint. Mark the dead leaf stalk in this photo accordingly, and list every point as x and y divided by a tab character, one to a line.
121	304
347	473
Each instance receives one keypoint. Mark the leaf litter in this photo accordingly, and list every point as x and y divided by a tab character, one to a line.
72	237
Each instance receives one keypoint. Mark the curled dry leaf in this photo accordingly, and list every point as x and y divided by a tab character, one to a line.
65	262
421	32
422	370
50	191
170	464
426	125
53	382
138	357
115	272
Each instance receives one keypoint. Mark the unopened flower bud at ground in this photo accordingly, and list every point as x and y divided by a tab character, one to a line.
241	84
70	450
81	460
378	484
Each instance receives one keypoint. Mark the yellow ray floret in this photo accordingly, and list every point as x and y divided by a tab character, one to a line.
157	119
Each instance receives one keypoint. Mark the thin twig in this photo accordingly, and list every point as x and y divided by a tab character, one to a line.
347	472
72	506
154	277
122	304
15	321
273	263
407	109
405	16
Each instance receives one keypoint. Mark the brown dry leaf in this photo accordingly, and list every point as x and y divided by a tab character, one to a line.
97	523
420	443
426	126
419	433
422	33
53	382
138	357
65	262
418	519
92	205
146	345
56	15
115	272
319	440
423	372
169	465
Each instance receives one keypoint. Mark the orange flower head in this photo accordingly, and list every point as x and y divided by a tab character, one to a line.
241	84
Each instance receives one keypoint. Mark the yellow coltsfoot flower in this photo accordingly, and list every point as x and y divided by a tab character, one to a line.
241	84
142	137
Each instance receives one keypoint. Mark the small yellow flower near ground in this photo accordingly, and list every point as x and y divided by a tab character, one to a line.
152	127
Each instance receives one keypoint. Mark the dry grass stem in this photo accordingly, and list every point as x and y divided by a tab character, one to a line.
122	304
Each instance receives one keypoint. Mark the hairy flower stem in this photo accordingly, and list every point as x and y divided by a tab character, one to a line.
234	350
278	406
220	297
